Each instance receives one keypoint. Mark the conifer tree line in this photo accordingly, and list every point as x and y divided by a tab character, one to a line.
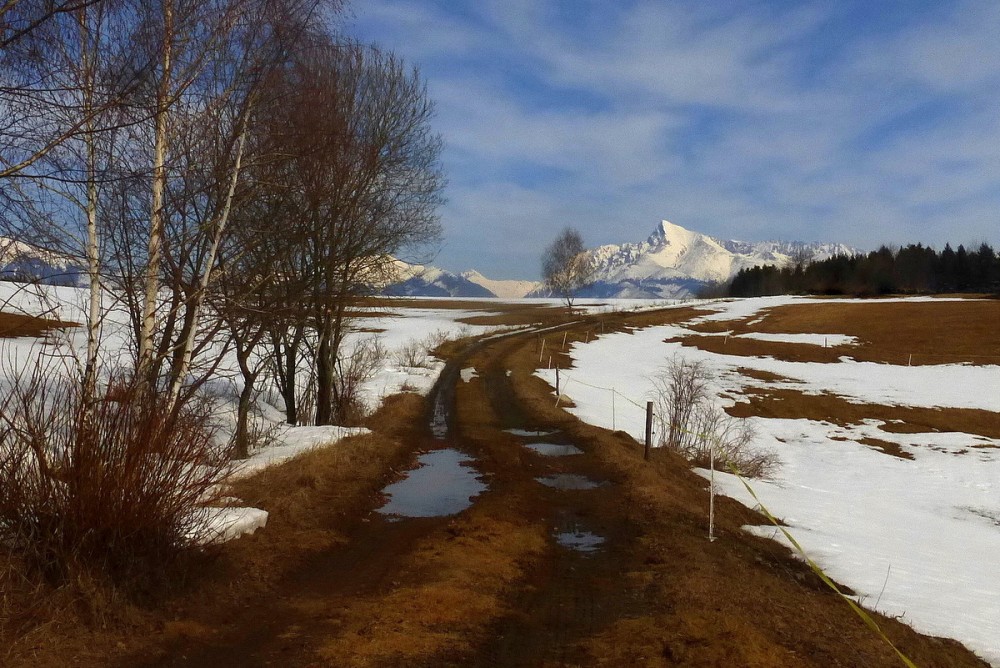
233	174
914	269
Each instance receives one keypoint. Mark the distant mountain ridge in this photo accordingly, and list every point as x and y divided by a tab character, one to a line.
673	262
414	280
23	262
676	262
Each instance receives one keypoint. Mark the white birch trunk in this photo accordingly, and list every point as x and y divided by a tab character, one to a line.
156	225
206	273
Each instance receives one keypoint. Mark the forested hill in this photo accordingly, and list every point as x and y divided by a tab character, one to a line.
913	269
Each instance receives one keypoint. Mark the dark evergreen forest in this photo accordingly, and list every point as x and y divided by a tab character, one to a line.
914	269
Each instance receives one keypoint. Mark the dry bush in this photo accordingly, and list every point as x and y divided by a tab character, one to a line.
416	353
733	440
690	423
107	489
413	354
353	371
680	387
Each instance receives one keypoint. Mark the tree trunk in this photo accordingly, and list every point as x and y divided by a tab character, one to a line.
325	372
286	356
93	255
156	222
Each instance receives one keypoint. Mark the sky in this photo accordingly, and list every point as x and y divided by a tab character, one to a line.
853	121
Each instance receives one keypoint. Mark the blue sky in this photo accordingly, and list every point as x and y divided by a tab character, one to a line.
861	122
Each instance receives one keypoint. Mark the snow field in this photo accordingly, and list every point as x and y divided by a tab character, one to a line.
917	538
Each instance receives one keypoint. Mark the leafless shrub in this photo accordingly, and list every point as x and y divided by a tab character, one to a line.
732	439
690	424
106	489
353	371
417	353
411	354
680	387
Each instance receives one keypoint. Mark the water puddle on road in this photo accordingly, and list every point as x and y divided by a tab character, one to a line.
569	481
580	541
444	483
529	433
554	449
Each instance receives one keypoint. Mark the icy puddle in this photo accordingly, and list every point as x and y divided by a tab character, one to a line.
444	483
569	481
529	433
581	541
554	449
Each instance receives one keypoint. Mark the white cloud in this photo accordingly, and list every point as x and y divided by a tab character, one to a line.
727	119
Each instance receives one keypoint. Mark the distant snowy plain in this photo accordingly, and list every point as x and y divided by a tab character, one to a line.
917	539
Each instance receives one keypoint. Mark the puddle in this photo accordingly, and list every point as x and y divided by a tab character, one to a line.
439	420
442	484
569	481
581	541
529	433
554	449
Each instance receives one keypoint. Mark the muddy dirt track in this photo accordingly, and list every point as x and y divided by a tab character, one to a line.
593	558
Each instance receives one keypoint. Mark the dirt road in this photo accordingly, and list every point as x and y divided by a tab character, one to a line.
584	555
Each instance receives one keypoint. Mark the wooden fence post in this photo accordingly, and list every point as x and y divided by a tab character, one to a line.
649	429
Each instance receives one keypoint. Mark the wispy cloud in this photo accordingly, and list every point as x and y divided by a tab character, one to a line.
851	122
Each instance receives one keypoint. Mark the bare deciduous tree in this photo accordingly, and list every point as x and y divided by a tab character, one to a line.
361	183
566	267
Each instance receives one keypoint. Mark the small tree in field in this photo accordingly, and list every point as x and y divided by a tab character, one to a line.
565	265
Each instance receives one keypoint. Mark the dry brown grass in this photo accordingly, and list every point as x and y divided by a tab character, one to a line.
886	447
318	588
456	589
932	332
785	403
17	324
314	502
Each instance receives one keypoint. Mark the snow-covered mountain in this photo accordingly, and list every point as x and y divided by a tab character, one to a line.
20	261
416	280
671	263
675	262
505	289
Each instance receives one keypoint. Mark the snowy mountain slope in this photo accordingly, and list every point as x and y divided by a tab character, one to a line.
675	262
416	280
23	262
505	289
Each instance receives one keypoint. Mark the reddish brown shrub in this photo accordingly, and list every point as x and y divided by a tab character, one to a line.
109	486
